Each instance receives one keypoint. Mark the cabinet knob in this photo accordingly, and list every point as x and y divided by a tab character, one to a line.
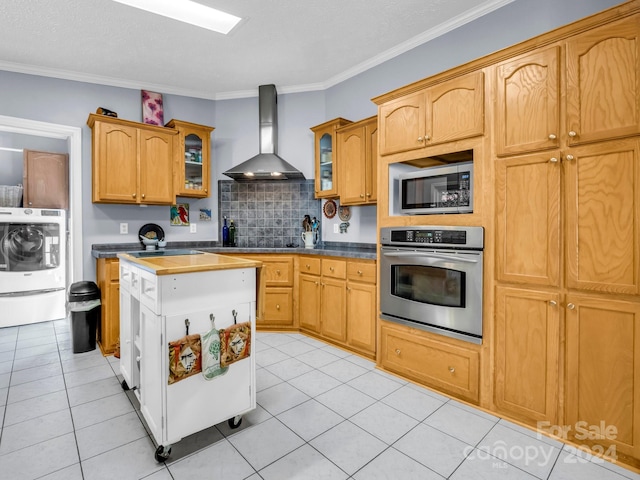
206	190
133	195
308	266
573	134
553	160
570	157
143	195
552	136
571	306
420	139
553	303
348	289
331	268
427	138
278	307
277	272
30	203
317	283
359	272
452	370
368	194
362	195
397	351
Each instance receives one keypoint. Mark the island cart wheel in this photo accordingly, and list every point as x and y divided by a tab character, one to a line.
235	422
124	385
162	453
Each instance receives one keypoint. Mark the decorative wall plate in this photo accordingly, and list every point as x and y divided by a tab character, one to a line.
151	230
344	213
329	209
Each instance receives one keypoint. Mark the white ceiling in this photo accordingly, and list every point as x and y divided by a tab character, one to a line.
298	45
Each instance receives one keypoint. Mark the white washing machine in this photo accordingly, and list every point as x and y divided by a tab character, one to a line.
32	265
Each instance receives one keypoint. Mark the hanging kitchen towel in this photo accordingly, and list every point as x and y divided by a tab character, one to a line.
211	355
185	358
235	343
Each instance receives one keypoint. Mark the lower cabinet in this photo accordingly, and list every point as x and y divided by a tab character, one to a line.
361	306
449	368
107	275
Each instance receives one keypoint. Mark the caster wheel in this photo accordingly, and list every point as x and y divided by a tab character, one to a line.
162	453
235	422
124	385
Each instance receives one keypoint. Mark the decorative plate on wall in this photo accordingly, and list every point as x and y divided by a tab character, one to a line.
344	213
329	209
151	231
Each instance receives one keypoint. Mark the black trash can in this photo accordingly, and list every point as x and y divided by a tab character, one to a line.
84	305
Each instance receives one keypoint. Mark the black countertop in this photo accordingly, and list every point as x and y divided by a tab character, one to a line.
333	249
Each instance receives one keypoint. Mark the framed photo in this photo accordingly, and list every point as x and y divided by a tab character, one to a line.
180	214
152	108
205	214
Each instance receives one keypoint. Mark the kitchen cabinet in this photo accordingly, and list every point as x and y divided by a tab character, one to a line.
527	93
309	289
326	157
361	311
603	371
45	180
333	300
449	111
603	82
108	281
192	159
419	356
358	153
527	360
132	163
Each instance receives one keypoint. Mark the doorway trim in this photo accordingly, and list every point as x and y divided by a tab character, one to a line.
73	135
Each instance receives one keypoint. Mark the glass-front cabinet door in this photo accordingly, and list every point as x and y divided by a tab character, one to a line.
192	159
326	159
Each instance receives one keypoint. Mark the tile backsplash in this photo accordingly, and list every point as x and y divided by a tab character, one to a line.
267	213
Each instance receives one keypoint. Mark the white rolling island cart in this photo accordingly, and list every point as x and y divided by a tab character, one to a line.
165	296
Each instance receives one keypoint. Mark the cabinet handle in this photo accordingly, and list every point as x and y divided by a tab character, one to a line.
553	160
452	370
573	134
552	136
570	157
397	351
571	306
133	195
553	303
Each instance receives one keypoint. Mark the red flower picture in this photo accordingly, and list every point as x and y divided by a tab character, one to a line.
152	109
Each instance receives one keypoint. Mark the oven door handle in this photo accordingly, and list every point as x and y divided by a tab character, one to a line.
433	256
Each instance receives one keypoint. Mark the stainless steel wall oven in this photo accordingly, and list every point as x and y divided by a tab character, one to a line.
431	278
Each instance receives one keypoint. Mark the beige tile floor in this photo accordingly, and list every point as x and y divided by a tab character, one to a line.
322	414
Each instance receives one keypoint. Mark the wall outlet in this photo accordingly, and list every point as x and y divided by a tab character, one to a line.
124	228
336	228
192	228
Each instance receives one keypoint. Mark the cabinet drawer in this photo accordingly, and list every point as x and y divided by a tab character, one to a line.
124	276
278	306
334	268
310	265
149	291
452	369
278	272
362	271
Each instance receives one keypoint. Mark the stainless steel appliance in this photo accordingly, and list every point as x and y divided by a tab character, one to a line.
443	189
431	278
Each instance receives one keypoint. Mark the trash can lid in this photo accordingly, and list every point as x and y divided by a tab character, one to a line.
85	290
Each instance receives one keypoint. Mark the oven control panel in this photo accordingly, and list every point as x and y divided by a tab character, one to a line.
453	237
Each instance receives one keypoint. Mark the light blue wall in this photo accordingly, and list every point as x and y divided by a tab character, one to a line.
236	121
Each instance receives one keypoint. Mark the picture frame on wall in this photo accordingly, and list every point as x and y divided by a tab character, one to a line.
152	108
180	214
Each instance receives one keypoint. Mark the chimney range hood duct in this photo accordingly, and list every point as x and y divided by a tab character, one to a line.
267	165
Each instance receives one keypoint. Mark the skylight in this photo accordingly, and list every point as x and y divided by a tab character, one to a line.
188	12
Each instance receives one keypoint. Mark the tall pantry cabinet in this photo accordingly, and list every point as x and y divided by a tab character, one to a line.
567	177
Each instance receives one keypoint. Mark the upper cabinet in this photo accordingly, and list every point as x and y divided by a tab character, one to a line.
603	82
449	111
46	180
192	159
326	158
527	116
131	162
358	152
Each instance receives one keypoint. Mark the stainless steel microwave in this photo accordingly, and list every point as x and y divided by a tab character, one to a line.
442	189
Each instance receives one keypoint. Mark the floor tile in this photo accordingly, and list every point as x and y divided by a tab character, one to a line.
481	466
343	370
88	375
266	379
345	400
23	343
133	460
36	373
570	467
4	393
314	383
5	378
313	341
317	358
391	465
582	453
412	402
31	362
6	367
428	391
289	368
254	417
36	430
265	443
159	475
434	449
460	424
363	362
532	433
93	391
348	446
269	356
73	472
7	346
375	385
276	339
219	460
74	364
36	351
195	443
35	407
97	411
338	352
296	348
473	410
29	390
310	419
305	463
105	436
7	356
384	422
280	397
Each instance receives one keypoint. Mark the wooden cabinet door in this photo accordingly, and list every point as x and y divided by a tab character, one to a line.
603	216
528	219
603	82
156	167
278	306
371	161
402	124
333	309
361	316
46	180
455	109
115	150
352	152
603	369
527	353
309	303
527	103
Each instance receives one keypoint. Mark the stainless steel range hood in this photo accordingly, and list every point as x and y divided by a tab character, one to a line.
267	165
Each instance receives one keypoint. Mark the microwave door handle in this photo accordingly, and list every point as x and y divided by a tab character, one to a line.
433	256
